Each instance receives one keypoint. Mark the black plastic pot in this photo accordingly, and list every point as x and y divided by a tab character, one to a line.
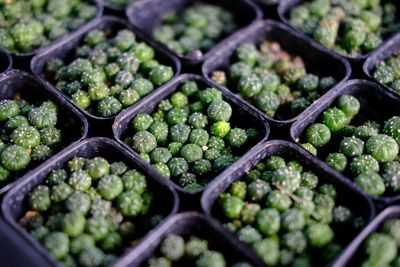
64	50
377	103
189	224
5	60
353	256
347	194
14	204
286	6
384	52
22	60
242	116
14	249
72	124
291	41
147	15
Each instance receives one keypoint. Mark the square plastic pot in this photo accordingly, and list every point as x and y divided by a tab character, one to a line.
23	59
286	6
147	16
242	116
14	249
377	103
65	50
73	125
191	224
346	194
384	52
352	256
291	41
14	204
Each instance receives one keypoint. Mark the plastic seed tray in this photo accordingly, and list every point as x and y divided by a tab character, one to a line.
188	212
22	59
